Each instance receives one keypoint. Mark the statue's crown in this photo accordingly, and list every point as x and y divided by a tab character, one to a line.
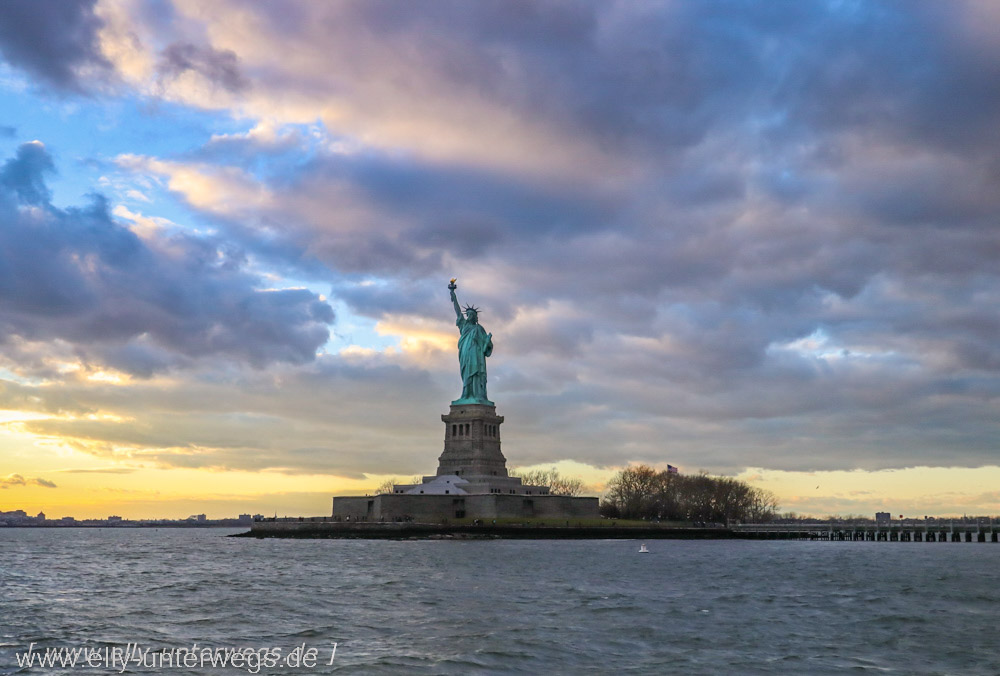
473	308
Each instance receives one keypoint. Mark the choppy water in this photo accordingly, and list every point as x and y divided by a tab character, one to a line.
438	607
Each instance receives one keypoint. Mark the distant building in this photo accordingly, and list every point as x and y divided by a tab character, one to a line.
883	518
114	519
200	517
245	518
16	517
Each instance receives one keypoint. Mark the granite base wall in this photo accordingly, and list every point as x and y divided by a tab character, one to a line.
436	508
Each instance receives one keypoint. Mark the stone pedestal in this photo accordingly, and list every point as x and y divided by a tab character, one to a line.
471	482
472	442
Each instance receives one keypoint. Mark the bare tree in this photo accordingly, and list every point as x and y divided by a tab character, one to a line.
560	485
386	486
557	483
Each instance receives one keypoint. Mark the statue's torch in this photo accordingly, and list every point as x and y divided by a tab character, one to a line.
452	285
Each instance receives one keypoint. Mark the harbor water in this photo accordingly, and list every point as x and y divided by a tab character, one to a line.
498	606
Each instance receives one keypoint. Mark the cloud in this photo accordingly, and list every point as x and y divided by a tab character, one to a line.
12	480
682	323
18	480
218	67
582	88
24	174
137	305
55	42
320	418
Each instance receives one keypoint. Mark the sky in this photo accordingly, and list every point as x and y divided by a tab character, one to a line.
757	239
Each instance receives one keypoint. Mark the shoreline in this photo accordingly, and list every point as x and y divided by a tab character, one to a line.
427	531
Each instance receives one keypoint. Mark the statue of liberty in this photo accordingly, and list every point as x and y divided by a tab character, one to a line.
474	346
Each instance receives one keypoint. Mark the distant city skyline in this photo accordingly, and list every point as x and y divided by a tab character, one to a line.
753	239
20	518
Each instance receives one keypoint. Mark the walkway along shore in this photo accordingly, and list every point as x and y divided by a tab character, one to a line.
329	528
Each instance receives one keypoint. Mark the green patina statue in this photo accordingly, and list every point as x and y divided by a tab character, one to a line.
474	346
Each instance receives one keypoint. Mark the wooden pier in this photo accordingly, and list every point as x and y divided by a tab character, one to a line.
937	532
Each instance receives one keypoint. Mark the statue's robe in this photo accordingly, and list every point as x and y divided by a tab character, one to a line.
474	346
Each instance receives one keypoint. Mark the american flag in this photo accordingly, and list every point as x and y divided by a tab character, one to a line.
671	469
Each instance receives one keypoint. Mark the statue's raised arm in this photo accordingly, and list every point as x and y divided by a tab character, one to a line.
454	299
474	346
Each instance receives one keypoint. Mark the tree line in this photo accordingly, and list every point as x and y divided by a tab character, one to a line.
642	492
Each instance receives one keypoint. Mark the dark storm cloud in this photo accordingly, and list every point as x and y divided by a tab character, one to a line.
51	40
420	213
909	70
663	77
772	95
219	67
387	216
644	79
717	66
139	305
